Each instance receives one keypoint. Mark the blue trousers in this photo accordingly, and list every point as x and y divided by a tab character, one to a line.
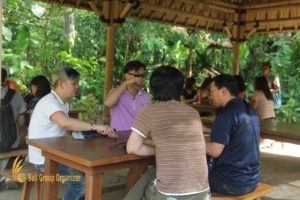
75	189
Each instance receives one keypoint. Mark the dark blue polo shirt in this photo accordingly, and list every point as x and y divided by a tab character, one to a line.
238	164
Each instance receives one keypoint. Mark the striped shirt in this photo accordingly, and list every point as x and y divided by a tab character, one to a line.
176	131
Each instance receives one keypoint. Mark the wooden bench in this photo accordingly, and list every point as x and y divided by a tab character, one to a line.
261	190
27	185
13	153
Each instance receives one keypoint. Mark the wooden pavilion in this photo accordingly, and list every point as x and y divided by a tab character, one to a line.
239	19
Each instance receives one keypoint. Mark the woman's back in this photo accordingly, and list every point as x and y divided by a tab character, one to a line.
262	105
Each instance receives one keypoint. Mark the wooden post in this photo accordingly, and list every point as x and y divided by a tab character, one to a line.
110	55
191	61
190	71
238	36
213	57
236	53
112	20
1	24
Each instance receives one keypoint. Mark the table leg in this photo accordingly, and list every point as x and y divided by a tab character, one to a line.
93	187
50	188
134	175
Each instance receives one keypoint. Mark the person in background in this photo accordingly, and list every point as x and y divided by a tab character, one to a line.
126	100
241	87
179	146
39	87
19	108
262	99
262	102
273	83
50	119
189	94
203	92
234	144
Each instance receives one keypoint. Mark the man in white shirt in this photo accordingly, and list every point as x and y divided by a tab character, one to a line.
50	119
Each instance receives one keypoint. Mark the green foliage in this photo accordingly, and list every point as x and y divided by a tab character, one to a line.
35	42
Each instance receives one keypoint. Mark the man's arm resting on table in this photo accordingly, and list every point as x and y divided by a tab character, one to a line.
77	125
135	145
214	149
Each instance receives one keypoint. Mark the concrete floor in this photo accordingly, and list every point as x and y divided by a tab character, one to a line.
281	171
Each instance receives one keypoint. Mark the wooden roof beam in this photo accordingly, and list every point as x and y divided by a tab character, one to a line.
189	26
281	8
269	5
226	7
66	4
284	30
94	7
126	9
78	2
152	7
222	4
274	21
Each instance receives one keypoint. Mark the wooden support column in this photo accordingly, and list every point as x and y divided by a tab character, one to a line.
236	55
191	61
112	16
1	24
213	57
190	70
110	56
238	36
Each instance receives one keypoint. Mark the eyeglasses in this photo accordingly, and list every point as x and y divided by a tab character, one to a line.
136	75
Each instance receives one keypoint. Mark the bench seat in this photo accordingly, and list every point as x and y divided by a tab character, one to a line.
13	153
261	190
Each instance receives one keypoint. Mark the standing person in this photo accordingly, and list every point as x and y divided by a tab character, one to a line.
189	93
179	146
50	119
234	141
18	107
241	87
262	99
274	84
126	100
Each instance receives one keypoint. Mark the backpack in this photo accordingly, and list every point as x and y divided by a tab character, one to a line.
8	134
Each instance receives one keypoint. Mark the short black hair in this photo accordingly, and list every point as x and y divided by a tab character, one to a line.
133	65
166	83
240	82
205	84
42	84
3	75
227	81
189	83
267	64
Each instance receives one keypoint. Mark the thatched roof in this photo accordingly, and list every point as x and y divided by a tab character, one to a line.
236	18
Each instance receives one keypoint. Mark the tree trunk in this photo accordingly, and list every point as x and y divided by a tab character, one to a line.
70	27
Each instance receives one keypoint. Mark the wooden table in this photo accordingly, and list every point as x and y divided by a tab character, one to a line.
270	129
93	157
204	107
